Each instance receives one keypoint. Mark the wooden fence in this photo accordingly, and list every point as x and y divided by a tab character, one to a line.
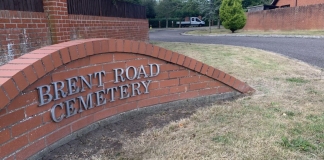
22	5
108	8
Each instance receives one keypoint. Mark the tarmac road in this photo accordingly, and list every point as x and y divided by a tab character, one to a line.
305	49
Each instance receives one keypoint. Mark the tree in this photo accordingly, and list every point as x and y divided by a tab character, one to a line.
167	8
131	1
232	15
217	4
210	10
187	9
190	8
248	3
150	8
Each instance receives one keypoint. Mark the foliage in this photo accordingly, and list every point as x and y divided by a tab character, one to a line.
174	10
150	8
232	15
167	8
187	9
210	10
155	22
249	3
190	8
131	1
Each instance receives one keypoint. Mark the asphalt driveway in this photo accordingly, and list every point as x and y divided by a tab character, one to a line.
305	49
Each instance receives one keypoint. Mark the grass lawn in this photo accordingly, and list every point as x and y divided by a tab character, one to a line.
284	119
216	31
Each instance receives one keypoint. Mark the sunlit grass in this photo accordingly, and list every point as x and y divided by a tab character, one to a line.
284	119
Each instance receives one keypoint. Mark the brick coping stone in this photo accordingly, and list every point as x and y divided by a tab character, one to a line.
26	127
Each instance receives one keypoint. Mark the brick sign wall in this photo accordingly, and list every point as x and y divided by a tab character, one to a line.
295	18
57	90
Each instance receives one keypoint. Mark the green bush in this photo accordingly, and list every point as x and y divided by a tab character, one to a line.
232	15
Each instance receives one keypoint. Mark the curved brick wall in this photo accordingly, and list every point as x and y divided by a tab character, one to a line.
27	127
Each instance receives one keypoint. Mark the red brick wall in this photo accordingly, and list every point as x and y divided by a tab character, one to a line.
292	3
26	128
58	19
296	18
108	27
22	32
309	2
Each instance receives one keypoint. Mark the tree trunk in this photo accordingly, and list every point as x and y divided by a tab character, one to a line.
167	23
209	25
180	23
218	23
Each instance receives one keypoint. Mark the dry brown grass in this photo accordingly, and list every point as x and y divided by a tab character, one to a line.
284	119
216	31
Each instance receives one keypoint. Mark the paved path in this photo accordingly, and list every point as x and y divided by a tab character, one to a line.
304	49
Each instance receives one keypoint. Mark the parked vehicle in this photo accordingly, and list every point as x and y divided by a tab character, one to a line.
193	22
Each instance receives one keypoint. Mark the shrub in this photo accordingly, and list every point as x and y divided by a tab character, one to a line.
232	15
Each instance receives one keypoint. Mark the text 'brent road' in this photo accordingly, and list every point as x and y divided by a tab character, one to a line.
80	84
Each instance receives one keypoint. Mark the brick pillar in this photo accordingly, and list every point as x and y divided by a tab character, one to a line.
58	20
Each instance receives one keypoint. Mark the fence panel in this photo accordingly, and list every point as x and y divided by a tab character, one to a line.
107	8
84	7
22	5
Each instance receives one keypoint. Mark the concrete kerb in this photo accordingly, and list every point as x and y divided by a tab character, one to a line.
204	101
252	35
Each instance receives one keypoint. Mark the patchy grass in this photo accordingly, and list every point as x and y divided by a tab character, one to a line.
299	144
284	119
297	80
216	31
